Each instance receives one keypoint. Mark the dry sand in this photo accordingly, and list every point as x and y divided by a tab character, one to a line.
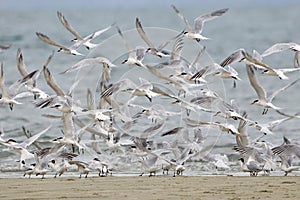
161	187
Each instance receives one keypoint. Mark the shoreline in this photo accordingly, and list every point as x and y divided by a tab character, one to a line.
159	187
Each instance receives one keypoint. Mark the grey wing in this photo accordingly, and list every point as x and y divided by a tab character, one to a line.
105	75
14	88
200	53
297	59
46	64
242	128
234	57
277	48
254	83
198	136
66	24
78	65
110	90
282	89
253	166
140	53
142	33
128	46
20	63
199	21
46	39
187	24
177	49
287	150
172	131
99	32
90	100
4	47
33	138
2	85
164	44
151	129
51	82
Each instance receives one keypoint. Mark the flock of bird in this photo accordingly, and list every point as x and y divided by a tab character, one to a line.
123	127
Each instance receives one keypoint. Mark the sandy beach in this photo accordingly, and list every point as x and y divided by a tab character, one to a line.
202	187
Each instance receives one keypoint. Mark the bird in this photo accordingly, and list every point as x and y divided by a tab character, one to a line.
149	164
64	103
286	153
134	57
4	47
144	89
22	148
251	159
67	50
31	85
267	128
57	160
10	94
263	100
195	33
230	72
82	167
241	55
159	51
78	38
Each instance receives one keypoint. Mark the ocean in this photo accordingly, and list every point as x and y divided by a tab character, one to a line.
252	27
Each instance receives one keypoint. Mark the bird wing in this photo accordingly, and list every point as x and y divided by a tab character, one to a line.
66	24
33	138
14	88
142	33
46	39
177	49
128	46
234	57
199	21
254	83
278	47
20	63
2	85
282	89
51	82
187	24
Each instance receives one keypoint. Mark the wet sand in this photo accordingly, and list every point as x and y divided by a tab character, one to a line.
161	187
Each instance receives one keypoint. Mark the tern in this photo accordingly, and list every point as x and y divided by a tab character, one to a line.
286	152
67	50
133	58
82	167
86	40
251	159
4	47
151	48
262	98
22	147
31	84
159	51
9	95
195	33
